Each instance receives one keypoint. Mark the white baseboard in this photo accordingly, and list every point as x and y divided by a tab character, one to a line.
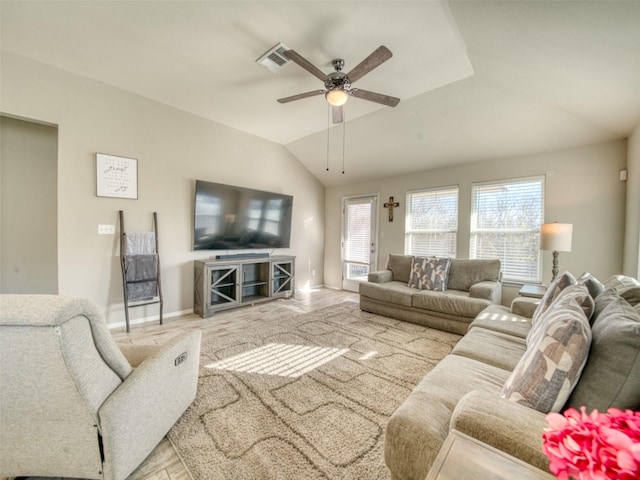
152	318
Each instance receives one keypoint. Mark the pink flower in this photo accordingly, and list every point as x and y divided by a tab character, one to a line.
595	446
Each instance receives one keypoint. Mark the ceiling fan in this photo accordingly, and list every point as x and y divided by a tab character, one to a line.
337	85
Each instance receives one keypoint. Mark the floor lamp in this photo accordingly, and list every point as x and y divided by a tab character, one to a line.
556	237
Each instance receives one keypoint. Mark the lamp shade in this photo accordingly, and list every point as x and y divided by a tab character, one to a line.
556	237
337	97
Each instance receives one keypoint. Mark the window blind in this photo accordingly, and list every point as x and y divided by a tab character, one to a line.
505	224
357	231
432	222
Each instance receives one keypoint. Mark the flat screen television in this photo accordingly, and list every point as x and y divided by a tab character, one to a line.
234	218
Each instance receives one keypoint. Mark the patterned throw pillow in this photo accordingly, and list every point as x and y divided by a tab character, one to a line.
549	370
579	293
430	273
560	283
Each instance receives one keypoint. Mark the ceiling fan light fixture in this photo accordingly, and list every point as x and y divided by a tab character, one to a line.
337	97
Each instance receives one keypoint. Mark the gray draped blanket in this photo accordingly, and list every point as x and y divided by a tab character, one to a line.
141	275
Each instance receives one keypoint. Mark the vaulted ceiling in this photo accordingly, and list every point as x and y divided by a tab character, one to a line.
477	80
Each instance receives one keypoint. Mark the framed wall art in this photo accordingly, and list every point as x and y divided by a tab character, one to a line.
116	176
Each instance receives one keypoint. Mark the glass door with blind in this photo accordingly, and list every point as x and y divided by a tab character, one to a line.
359	239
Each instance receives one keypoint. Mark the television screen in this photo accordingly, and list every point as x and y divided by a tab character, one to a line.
231	218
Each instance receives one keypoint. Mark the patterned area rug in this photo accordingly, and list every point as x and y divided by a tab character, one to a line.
306	396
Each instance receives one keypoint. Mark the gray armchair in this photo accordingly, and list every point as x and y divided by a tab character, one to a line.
71	403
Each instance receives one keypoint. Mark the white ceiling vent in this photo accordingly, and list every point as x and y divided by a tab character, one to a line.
274	59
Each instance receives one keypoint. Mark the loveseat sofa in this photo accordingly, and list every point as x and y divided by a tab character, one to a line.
499	381
461	290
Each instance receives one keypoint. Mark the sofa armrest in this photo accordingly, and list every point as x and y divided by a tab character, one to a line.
503	424
524	306
382	276
487	290
141	411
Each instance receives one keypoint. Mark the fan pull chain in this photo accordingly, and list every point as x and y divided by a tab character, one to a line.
328	126
344	128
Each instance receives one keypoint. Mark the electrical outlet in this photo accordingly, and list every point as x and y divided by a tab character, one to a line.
106	229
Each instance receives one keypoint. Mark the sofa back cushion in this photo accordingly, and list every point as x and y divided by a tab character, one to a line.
611	378
465	272
400	266
618	282
632	295
429	273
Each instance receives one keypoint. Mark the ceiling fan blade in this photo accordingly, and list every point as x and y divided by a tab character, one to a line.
338	114
375	97
300	96
379	56
306	64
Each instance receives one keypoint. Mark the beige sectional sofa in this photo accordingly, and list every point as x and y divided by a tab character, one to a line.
472	286
466	390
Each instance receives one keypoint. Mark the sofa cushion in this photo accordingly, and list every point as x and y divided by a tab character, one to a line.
560	283
498	318
400	265
493	348
554	360
595	286
391	292
417	429
454	302
465	272
429	273
611	377
507	426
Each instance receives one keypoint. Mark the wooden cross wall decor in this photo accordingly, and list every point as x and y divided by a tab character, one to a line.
389	206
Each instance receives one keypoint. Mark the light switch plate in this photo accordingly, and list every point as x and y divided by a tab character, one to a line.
106	229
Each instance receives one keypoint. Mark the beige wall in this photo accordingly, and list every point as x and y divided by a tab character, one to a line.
173	149
632	227
582	188
28	223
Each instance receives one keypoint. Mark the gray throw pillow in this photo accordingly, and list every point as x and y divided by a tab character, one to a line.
595	286
611	378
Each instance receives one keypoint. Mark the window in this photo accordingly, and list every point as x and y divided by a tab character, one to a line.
432	222
505	224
